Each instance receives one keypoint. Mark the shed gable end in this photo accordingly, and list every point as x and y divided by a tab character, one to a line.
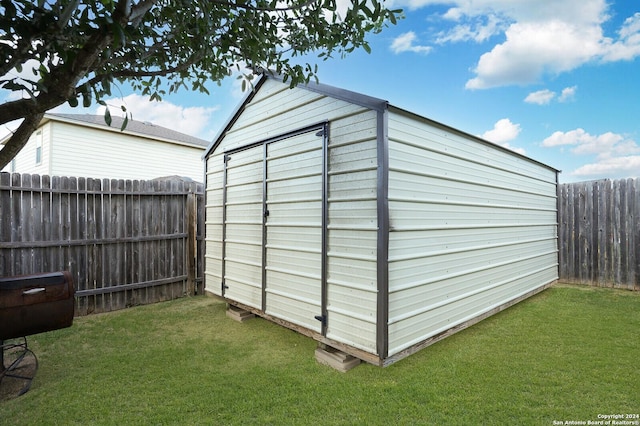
348	191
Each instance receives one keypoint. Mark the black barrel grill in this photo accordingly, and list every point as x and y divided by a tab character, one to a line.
31	304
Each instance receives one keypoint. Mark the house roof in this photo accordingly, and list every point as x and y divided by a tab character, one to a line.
134	127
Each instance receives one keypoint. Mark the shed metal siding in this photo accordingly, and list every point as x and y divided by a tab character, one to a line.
243	226
352	231
293	234
397	229
471	228
351	234
214	217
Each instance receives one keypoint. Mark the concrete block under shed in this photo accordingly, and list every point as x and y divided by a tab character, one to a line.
239	314
336	359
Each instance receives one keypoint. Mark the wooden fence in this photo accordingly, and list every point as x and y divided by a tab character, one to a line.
599	233
125	242
134	242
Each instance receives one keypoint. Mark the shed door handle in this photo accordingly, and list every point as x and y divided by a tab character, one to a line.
33	291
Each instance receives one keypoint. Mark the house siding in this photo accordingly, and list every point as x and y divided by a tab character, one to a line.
90	152
25	160
471	228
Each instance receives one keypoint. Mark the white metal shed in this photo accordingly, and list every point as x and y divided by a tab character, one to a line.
369	228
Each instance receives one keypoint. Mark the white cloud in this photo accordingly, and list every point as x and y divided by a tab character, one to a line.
454	14
541	97
405	43
189	120
628	45
616	167
615	155
28	76
541	37
568	94
605	145
502	133
478	31
534	49
545	96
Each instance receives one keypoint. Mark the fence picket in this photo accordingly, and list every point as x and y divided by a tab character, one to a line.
123	241
599	233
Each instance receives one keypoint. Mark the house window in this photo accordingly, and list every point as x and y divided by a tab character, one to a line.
39	147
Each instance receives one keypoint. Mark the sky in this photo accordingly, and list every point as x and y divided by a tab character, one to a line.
555	80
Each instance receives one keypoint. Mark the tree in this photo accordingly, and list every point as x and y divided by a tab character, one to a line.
74	51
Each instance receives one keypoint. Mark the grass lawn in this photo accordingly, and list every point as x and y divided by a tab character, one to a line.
569	353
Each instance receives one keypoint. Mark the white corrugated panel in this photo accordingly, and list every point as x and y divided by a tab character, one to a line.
416	325
471	228
353	232
243	227
214	210
294	199
294	202
276	110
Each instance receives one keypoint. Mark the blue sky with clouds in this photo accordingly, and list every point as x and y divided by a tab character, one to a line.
556	80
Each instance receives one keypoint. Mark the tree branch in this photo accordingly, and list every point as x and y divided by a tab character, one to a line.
265	9
19	138
139	10
66	14
129	73
61	81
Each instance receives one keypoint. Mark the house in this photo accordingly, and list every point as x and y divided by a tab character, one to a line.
83	145
367	227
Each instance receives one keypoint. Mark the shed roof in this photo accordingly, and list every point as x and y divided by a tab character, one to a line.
134	127
366	101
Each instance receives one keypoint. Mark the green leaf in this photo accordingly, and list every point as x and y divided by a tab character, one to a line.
119	37
176	45
107	117
86	99
124	123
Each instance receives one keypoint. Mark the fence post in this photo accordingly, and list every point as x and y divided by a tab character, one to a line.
192	226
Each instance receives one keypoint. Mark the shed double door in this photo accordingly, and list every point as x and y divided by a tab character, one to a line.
274	227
